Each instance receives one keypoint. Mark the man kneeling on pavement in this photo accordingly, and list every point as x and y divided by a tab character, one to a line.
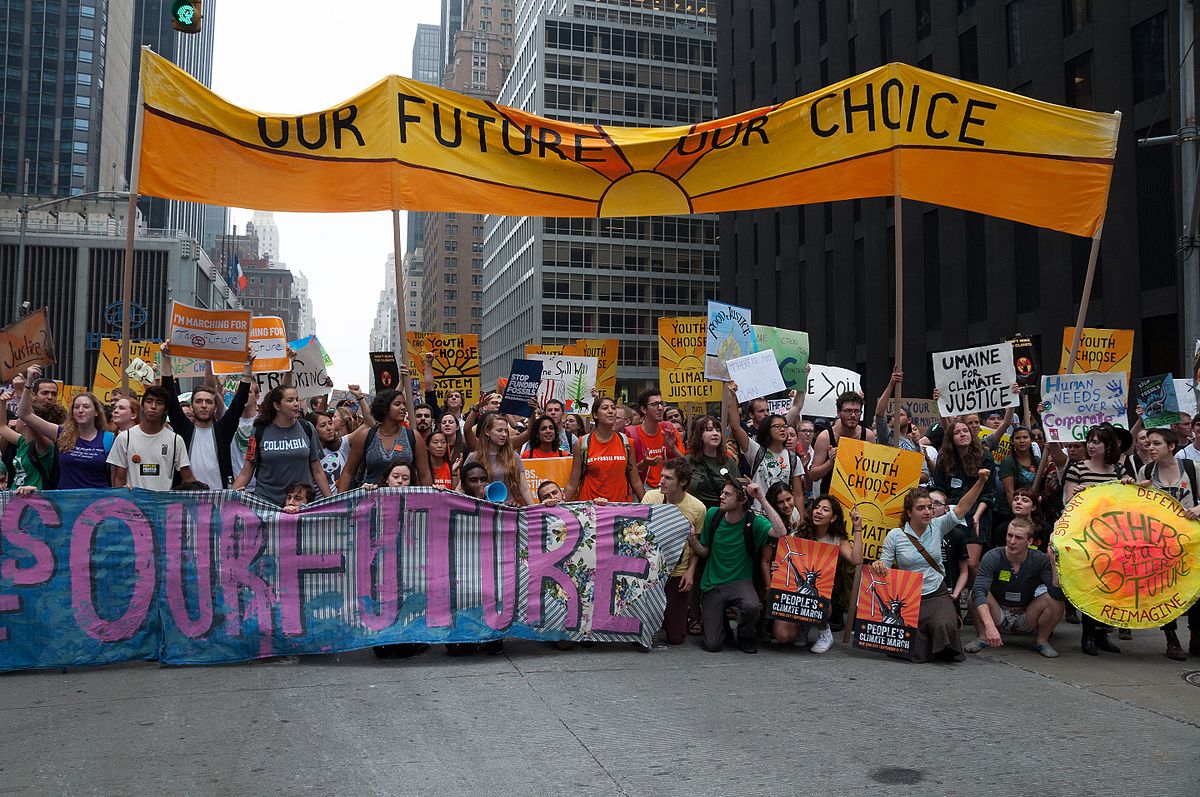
1016	592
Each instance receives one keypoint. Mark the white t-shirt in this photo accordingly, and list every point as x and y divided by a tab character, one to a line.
203	455
1189	452
150	460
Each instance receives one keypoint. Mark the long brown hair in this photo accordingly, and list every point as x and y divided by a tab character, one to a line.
508	467
949	460
69	433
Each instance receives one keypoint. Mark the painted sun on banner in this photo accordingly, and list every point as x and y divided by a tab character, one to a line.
874	479
681	361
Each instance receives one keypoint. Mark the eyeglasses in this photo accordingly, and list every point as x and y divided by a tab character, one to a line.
657	404
778	426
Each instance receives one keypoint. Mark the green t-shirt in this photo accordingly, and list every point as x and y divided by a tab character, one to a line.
25	472
727	557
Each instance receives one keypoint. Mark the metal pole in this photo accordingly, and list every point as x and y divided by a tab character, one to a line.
897	397
1188	183
401	323
20	288
130	229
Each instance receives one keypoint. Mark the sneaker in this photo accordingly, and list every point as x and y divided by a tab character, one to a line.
1124	633
824	641
975	645
1045	650
748	645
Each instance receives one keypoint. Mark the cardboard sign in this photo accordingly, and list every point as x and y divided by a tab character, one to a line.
523	382
975	380
1128	555
548	348
729	333
1100	350
1155	396
1186	395
1003	447
385	370
606	351
922	412
779	406
25	342
568	379
825	384
184	367
68	393
681	377
874	480
756	375
801	589
210	334
1074	403
108	366
455	363
888	608
1025	362
554	469
268	342
791	352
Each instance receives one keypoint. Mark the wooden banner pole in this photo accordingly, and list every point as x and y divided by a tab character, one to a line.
898	232
130	231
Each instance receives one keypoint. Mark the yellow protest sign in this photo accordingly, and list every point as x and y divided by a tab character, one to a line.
1100	350
874	480
681	344
108	366
548	348
401	144
555	469
1002	449
1128	555
68	393
455	363
605	351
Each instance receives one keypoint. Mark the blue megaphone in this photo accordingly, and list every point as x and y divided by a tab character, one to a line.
497	492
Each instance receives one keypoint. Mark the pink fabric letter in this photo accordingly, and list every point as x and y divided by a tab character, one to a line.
242	542
201	556
609	565
545	564
383	545
82	575
291	564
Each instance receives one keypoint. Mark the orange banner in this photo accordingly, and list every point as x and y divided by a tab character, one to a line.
268	341
401	144
209	334
555	469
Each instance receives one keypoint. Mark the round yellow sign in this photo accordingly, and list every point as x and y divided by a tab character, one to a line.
1128	556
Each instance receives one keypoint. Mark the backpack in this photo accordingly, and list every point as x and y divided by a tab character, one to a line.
747	531
361	473
587	438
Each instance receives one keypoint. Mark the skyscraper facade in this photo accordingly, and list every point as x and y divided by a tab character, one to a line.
968	279
427	67
452	298
192	52
626	63
64	77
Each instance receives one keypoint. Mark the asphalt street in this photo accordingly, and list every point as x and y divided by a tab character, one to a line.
614	721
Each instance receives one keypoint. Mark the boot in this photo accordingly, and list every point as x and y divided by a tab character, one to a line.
1174	649
1104	643
1071	616
1087	643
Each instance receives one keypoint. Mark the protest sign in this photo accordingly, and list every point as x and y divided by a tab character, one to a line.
874	480
975	380
542	469
107	377
455	363
791	352
756	375
1186	394
606	352
568	379
548	348
1128	555
523	381
1100	350
268	343
888	608
825	384
922	412
209	334
68	393
801	589
25	342
385	371
183	367
191	578
728	334
1155	396
1074	403
309	376
1025	362
779	406
1003	446
681	377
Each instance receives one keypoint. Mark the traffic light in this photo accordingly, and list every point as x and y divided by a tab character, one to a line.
185	15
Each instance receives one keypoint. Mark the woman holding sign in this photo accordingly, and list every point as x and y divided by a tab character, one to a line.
82	441
914	547
961	456
770	461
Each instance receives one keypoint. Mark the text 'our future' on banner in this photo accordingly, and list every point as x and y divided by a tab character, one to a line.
401	144
212	577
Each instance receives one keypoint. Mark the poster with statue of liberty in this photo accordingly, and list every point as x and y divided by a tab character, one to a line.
569	379
730	335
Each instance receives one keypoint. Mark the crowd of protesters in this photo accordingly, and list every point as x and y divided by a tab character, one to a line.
976	529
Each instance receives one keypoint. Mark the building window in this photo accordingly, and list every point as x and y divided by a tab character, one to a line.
822	21
1015	32
484	25
451	245
452	230
1150	57
1076	14
450	279
478	46
1079	81
924	19
479	76
968	56
885	37
450	296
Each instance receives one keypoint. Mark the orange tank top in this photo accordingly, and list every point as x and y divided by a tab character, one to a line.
442	477
604	473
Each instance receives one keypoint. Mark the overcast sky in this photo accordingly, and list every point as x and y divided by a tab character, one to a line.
304	56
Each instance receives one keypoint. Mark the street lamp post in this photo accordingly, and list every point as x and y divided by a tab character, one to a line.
24	212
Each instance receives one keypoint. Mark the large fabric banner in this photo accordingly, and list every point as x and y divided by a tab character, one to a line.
401	144
89	578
